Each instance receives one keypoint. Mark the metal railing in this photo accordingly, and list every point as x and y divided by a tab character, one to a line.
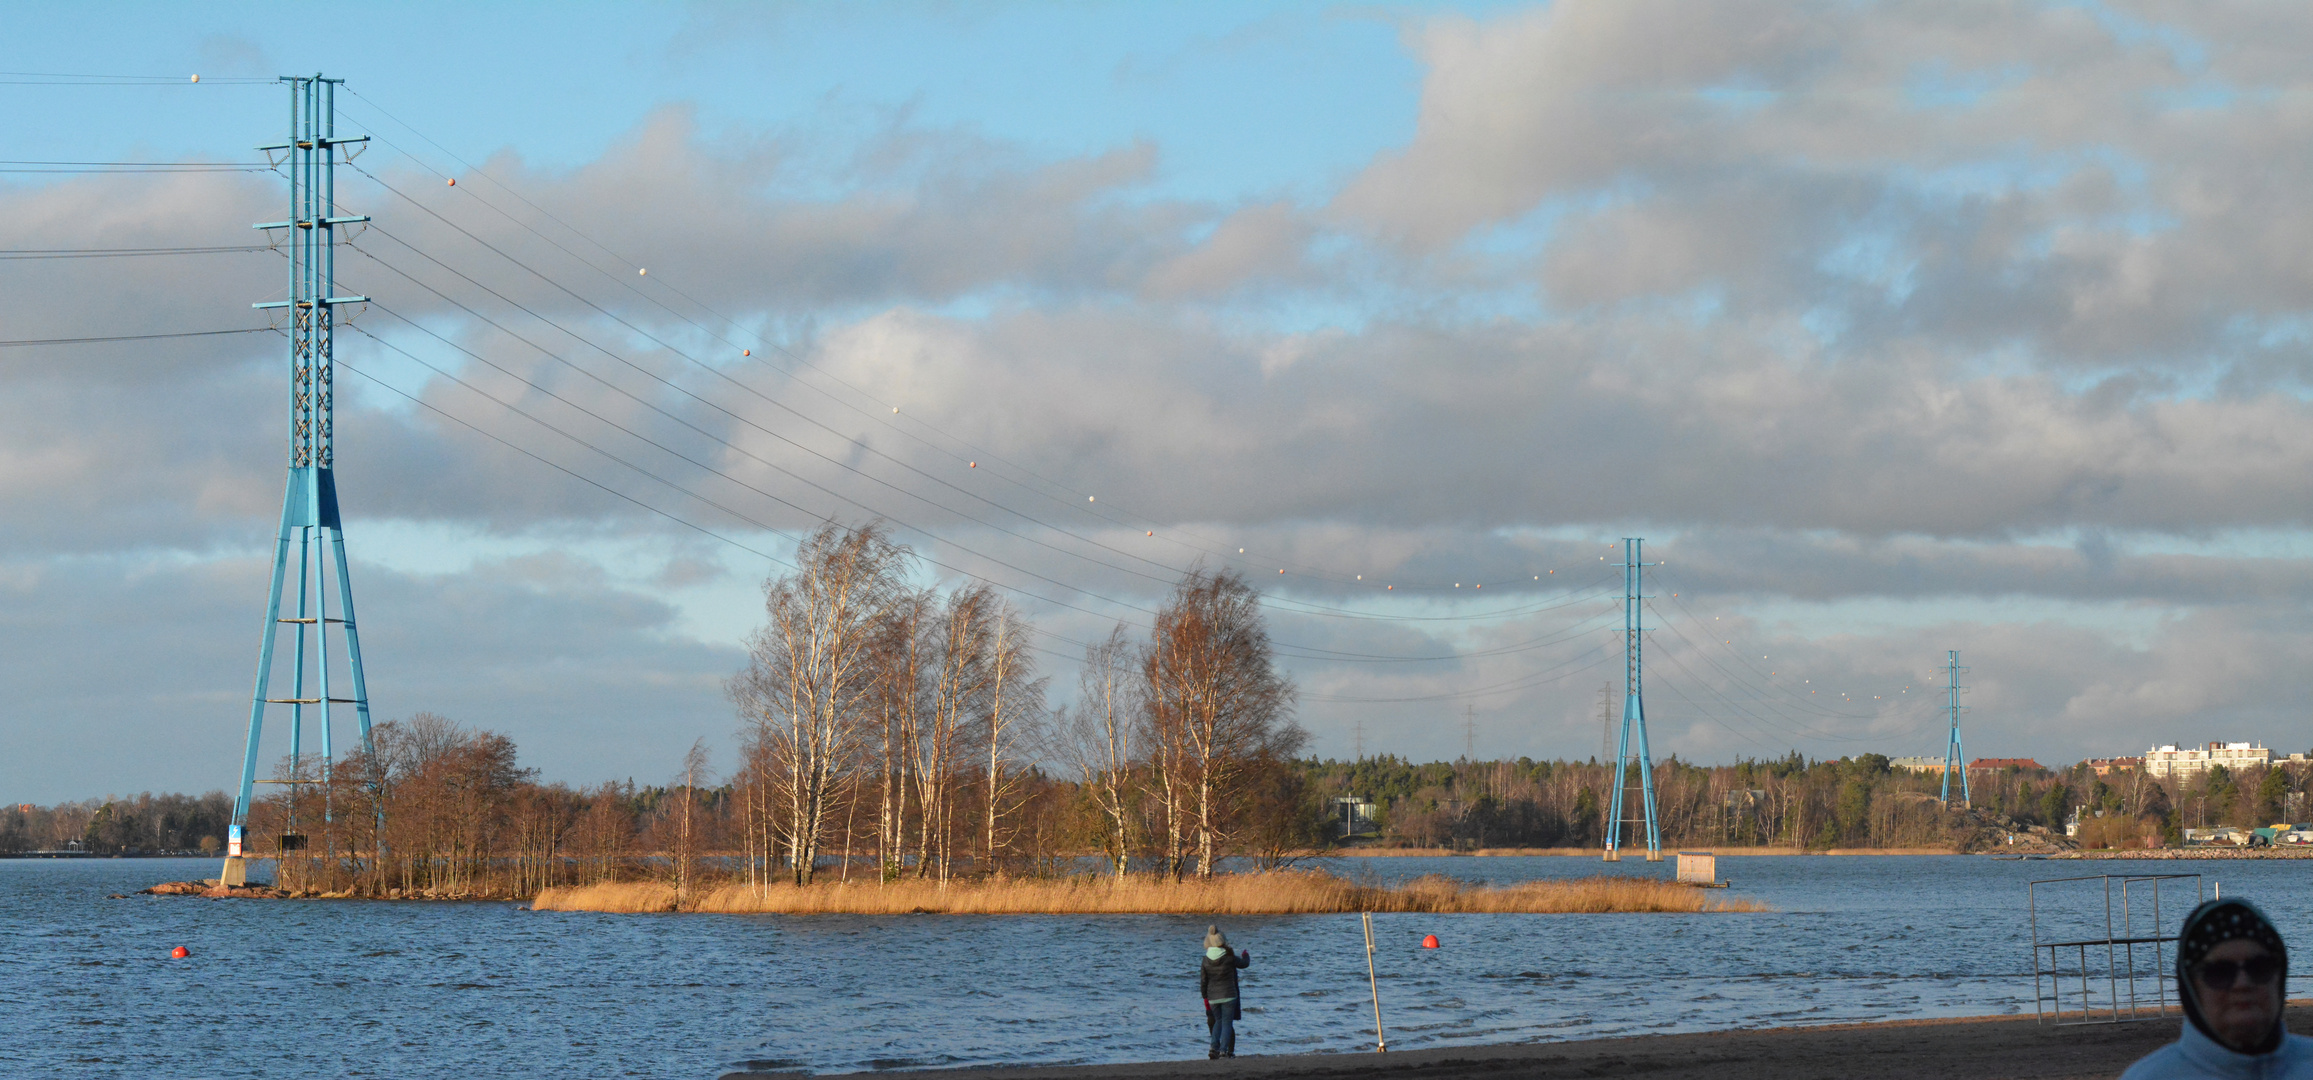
2132	951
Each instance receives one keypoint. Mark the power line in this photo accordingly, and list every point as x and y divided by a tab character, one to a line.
135	337
67	78
1302	652
1089	509
12	254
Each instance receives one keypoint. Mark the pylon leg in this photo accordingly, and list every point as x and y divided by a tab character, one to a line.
264	681
1614	814
1637	708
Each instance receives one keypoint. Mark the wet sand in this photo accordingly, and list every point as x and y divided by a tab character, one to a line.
1992	1046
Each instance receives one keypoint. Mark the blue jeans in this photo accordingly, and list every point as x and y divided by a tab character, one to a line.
1221	1020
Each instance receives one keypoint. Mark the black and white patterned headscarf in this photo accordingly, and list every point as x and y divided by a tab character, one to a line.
2212	924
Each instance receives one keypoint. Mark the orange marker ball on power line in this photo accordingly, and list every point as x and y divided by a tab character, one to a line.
973	465
453	182
746	352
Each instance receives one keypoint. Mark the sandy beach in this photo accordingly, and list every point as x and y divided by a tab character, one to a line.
1974	1047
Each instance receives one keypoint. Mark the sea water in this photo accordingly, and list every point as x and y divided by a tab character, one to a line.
402	989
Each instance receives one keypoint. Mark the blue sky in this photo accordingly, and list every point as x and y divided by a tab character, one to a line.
1246	100
1894	332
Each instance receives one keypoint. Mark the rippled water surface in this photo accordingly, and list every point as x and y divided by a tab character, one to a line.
325	988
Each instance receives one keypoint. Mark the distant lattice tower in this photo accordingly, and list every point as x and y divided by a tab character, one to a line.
1954	759
310	521
1633	714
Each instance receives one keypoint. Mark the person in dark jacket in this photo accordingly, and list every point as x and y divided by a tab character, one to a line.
2232	973
1217	981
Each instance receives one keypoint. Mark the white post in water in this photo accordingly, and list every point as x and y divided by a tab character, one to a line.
1380	1045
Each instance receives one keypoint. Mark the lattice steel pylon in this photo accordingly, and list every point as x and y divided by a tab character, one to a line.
1633	712
309	509
1954	759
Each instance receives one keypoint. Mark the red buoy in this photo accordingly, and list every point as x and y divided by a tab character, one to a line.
1430	942
180	952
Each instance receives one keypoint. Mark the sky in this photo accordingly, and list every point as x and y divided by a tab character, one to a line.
1893	329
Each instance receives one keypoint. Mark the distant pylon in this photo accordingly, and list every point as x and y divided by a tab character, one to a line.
1633	713
1954	759
309	511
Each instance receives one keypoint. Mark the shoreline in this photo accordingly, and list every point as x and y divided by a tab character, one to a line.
1924	1049
1276	892
1596	854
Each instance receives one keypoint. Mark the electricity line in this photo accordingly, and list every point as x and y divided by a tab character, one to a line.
1092	510
136	337
13	254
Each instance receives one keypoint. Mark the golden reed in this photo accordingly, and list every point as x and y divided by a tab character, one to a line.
1290	892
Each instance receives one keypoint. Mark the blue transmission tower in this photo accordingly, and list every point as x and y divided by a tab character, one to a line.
309	510
1633	712
1954	759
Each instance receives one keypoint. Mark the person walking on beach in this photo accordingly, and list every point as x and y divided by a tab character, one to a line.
2231	969
1217	981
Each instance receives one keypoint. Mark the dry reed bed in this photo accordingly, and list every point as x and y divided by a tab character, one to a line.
1276	893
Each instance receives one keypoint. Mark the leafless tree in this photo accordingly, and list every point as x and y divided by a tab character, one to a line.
1209	679
1095	738
806	693
1015	718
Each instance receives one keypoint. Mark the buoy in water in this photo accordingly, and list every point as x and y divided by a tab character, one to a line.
180	952
1430	942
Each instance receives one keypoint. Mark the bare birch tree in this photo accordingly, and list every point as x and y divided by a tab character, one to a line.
959	648
1209	679
1014	721
806	693
1095	739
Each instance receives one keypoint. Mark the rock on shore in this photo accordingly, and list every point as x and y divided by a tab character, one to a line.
215	891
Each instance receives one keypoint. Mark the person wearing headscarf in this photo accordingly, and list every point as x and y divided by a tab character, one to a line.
1217	981
2231	971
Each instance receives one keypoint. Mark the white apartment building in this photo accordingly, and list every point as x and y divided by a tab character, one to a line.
2170	760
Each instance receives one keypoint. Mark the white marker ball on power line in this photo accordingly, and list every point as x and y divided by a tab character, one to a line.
895	408
196	78
1090	498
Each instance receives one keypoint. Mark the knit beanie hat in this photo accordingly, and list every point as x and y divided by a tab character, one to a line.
2210	925
1214	939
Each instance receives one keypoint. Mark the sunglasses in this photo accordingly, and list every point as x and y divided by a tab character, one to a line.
2221	974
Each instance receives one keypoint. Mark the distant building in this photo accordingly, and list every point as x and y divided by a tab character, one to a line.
1995	764
1355	816
1917	764
2171	760
2106	766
